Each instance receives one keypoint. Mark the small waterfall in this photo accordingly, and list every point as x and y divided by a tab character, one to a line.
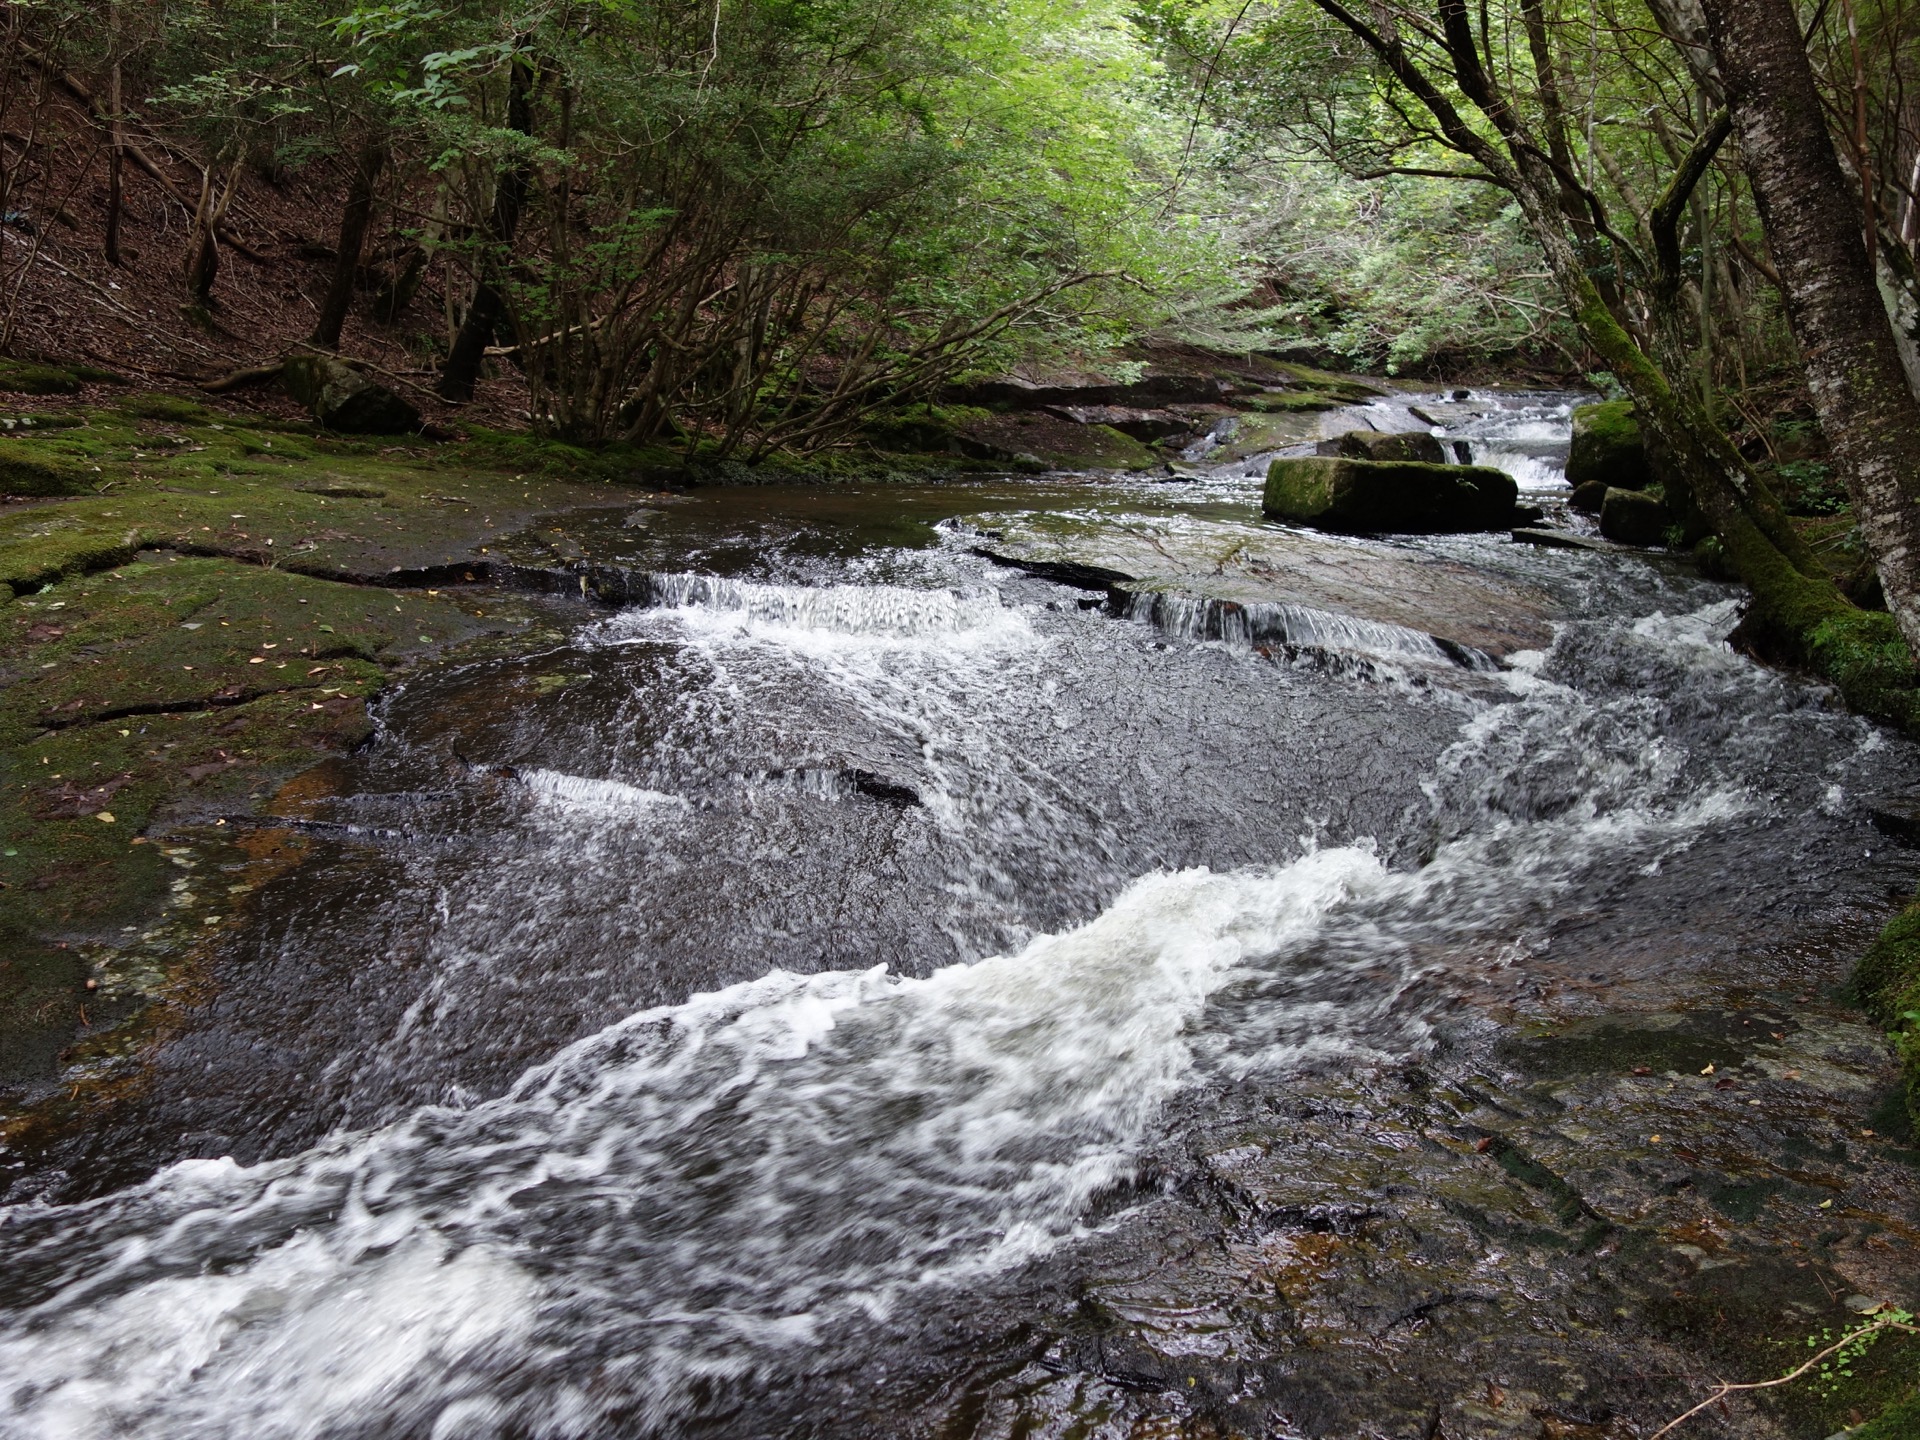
875	610
1297	627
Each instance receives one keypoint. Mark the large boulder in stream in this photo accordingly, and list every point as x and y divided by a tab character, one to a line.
343	399
1365	497
1608	447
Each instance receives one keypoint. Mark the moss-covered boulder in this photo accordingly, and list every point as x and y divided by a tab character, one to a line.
1633	517
343	399
1608	447
1588	496
1374	496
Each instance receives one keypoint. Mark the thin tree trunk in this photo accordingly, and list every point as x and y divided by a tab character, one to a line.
462	370
1832	298
116	158
355	216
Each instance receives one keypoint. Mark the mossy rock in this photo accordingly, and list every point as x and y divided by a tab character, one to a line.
30	468
23	377
1347	388
1608	447
1284	402
344	400
1388	497
1416	445
1633	517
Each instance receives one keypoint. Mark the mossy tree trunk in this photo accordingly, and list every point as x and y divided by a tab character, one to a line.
1812	219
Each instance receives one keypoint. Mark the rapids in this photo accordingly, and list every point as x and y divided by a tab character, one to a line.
774	979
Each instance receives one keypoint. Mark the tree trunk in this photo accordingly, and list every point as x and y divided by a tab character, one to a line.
355	216
1827	282
116	158
462	370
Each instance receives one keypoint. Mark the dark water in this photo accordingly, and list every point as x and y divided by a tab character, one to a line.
758	986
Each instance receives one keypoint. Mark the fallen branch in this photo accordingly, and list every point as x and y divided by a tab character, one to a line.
1884	1323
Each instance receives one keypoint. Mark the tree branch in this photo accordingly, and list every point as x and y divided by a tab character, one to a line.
1663	222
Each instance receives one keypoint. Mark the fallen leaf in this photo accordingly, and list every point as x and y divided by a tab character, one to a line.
257	660
106	816
1708	1070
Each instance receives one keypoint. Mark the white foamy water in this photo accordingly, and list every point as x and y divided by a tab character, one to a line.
584	793
869	611
705	1189
687	1187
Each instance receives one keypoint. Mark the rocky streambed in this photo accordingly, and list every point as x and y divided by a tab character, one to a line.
1048	954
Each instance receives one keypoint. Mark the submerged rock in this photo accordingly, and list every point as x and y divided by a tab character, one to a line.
1633	517
1395	497
343	399
1608	448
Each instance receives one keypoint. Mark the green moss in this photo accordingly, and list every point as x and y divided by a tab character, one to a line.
166	407
36	468
1327	382
1607	446
23	377
1293	401
1887	982
1900	1421
534	454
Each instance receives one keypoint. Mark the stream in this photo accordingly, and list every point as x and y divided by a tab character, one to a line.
871	990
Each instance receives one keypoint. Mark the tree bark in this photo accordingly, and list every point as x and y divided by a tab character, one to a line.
462	370
116	159
1827	282
355	216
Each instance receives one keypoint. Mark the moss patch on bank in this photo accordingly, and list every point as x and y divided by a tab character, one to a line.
203	613
1887	983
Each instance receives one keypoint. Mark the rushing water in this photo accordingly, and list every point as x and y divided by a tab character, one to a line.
764	971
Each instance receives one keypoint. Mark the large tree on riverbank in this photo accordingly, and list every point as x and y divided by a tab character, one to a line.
1813	222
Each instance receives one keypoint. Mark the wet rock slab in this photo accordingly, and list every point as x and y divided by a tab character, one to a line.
1250	564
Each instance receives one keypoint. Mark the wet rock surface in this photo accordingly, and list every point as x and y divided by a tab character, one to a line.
1249	565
